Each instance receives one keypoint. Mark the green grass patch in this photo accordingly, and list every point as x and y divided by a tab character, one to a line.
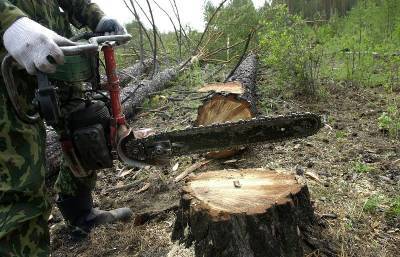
394	210
340	134
361	167
372	204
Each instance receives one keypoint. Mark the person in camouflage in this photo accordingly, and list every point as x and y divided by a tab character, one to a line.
24	207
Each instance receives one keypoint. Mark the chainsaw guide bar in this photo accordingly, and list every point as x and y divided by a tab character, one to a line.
215	137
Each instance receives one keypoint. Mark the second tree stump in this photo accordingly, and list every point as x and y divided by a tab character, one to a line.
244	213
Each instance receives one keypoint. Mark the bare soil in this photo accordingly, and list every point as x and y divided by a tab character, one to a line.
333	163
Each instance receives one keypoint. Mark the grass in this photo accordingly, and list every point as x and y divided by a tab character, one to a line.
340	134
394	210
361	167
372	204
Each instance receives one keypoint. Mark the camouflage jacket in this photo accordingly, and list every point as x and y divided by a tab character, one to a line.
79	13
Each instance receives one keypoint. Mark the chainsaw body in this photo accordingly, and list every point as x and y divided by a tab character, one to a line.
90	132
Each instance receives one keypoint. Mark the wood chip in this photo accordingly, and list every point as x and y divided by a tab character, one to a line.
237	184
144	188
230	161
176	166
191	169
313	176
124	173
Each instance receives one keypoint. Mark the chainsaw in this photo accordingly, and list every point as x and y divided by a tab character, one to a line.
98	133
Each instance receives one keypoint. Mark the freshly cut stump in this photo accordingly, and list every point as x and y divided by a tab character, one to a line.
244	213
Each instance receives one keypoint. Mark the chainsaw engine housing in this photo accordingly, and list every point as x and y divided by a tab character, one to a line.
89	129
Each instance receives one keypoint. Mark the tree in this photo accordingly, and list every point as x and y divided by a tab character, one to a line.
232	26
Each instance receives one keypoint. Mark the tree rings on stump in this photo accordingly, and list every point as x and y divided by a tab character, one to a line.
244	213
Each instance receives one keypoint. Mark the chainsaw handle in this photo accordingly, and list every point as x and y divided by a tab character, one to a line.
95	43
8	77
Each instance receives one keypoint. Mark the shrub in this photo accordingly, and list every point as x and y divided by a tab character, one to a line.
389	121
290	49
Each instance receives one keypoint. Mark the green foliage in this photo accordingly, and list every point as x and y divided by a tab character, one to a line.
372	204
191	78
389	121
232	25
317	9
394	210
361	46
340	134
290	49
361	167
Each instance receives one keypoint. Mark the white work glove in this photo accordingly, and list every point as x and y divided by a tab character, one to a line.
33	46
109	26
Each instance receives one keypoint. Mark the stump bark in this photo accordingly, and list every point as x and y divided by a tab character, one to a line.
244	213
231	101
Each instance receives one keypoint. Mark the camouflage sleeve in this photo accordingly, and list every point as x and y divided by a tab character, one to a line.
8	14
82	12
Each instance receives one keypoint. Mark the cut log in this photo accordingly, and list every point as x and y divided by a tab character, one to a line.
232	101
244	213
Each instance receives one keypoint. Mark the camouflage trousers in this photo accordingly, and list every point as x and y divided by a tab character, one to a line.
24	206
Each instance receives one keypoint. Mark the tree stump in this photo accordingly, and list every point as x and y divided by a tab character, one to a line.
231	101
244	213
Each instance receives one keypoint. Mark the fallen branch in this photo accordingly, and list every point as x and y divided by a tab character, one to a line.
125	187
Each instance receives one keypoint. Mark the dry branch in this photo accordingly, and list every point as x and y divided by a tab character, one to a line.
141	28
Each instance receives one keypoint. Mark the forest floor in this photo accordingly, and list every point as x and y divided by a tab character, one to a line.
351	167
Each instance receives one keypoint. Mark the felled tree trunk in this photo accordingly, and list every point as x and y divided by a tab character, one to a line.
232	101
244	213
135	93
132	73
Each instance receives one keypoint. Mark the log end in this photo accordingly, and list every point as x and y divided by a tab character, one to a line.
233	87
249	191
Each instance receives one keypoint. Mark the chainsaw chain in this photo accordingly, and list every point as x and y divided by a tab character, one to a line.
192	131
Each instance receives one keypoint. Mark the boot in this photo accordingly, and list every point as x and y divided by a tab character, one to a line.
78	211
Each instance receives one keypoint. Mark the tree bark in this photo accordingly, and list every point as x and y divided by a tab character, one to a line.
244	213
231	101
135	93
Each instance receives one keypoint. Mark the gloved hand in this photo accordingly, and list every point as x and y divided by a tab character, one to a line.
34	46
109	26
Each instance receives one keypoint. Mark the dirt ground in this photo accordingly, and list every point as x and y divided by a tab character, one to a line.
349	167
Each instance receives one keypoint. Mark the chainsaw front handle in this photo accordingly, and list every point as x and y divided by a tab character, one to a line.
95	43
